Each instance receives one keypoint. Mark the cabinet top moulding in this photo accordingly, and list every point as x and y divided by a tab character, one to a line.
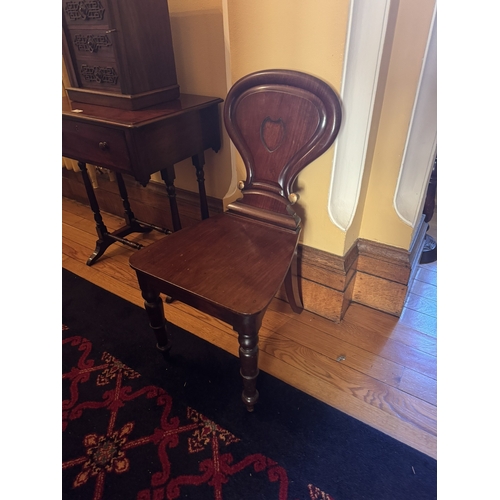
119	53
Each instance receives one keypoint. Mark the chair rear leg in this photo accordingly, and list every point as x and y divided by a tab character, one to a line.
154	308
249	370
292	288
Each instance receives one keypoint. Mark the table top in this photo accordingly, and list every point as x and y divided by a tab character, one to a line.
102	114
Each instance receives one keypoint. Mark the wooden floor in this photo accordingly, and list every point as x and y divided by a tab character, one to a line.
375	367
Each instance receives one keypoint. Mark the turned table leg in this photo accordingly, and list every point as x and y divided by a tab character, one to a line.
101	229
199	162
130	220
168	176
105	237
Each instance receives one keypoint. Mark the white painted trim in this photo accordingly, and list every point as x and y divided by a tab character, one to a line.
421	143
363	55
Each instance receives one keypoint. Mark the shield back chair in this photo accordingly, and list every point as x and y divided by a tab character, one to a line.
231	265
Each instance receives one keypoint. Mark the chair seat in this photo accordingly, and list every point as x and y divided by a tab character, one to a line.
232	265
231	262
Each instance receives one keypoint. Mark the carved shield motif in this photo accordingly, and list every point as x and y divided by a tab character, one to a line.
272	133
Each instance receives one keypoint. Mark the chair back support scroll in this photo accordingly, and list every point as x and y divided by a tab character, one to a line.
280	121
231	266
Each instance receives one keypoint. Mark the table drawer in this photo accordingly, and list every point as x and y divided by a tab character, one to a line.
95	144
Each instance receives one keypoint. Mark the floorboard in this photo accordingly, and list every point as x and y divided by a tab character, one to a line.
373	366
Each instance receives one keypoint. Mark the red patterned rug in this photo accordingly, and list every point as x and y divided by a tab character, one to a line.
137	426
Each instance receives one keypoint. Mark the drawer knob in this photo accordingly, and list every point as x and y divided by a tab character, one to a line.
103	145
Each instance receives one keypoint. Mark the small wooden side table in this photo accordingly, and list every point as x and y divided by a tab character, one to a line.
140	143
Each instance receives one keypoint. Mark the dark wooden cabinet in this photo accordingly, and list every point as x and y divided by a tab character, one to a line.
119	52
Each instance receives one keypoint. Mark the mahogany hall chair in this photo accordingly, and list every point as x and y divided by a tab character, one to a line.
231	265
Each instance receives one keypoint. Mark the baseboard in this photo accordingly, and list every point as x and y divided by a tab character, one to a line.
325	281
372	274
384	274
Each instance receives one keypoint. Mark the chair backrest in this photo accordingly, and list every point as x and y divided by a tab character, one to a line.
280	121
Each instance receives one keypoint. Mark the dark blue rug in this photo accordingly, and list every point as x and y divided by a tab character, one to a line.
137	425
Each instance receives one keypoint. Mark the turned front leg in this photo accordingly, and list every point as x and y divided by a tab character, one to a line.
249	370
154	308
